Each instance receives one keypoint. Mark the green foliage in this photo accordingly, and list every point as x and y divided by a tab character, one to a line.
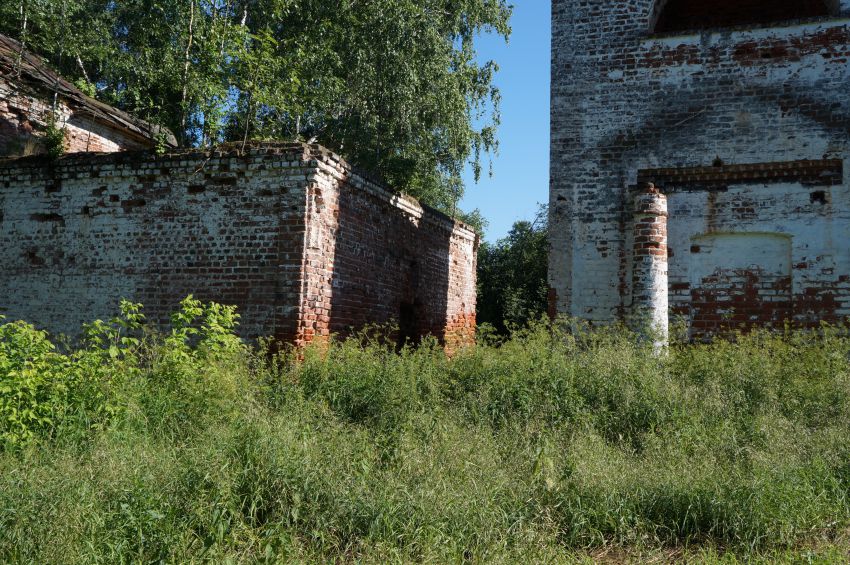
512	276
552	446
394	85
161	143
186	392
54	139
86	87
33	387
44	393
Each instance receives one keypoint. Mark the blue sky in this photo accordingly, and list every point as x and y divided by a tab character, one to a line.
521	169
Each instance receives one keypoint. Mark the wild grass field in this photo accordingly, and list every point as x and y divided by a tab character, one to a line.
549	446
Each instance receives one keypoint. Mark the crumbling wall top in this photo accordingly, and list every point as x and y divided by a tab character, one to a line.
305	154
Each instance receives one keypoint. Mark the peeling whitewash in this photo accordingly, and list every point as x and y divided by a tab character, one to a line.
747	133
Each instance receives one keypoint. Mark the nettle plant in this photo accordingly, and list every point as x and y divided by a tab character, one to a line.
33	383
45	392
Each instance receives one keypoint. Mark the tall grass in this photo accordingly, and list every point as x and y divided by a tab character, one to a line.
549	446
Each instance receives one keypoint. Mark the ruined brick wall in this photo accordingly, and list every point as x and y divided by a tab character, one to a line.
426	261
255	230
767	104
24	115
78	235
756	245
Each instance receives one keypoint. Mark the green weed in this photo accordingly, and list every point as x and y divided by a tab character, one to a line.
559	444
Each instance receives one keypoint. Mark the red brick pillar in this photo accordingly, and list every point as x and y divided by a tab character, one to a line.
649	267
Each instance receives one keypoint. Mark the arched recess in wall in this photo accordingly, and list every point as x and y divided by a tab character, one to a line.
687	15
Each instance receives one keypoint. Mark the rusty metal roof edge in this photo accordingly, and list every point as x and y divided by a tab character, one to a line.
40	76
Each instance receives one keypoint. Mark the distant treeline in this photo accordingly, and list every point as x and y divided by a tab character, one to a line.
512	275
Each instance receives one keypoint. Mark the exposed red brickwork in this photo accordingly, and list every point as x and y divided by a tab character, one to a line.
32	95
649	261
830	43
24	115
793	199
651	237
425	259
817	304
552	303
289	233
740	300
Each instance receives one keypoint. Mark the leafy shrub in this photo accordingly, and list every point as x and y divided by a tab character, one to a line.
195	371
54	139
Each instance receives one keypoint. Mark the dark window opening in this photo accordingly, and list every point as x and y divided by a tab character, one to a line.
686	15
818	197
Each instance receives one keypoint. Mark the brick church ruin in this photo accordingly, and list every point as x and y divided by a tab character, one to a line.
305	245
699	162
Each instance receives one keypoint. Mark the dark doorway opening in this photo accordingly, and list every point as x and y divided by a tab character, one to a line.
409	325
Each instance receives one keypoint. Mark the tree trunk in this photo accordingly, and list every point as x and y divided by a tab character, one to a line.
186	63
20	56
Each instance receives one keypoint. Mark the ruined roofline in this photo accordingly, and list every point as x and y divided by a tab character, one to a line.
312	154
36	75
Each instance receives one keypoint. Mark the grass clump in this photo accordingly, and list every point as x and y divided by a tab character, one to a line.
549	446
